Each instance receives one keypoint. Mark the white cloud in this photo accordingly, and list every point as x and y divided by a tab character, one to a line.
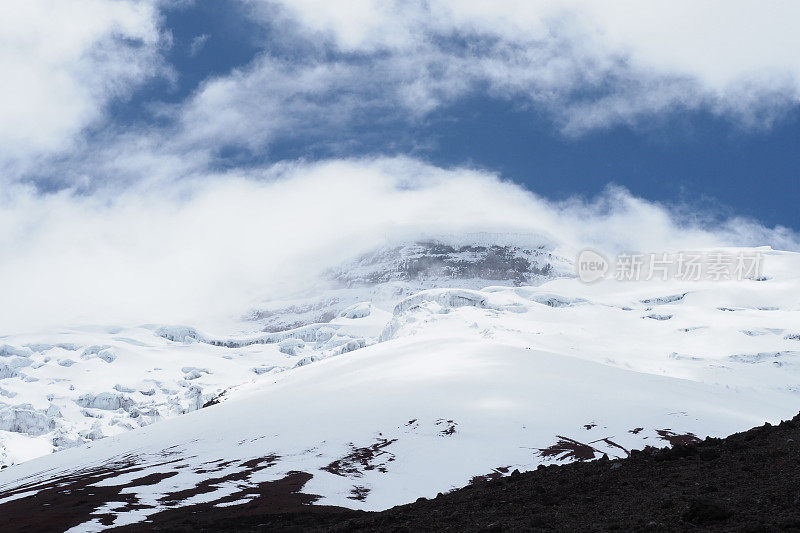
716	42
206	249
197	44
274	99
590	63
251	107
61	62
362	65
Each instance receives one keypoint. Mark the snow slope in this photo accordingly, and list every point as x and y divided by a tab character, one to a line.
82	383
459	383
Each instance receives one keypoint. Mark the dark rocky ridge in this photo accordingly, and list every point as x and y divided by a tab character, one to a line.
749	481
434	259
415	266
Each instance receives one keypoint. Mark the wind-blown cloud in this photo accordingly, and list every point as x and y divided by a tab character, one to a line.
204	251
591	64
62	62
334	74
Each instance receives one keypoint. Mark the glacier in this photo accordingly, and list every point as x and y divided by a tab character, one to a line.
404	373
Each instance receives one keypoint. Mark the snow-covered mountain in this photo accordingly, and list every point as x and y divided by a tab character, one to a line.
453	360
65	388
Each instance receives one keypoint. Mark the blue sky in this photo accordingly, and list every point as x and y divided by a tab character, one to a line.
682	155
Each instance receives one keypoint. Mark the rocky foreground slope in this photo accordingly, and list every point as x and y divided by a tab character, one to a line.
745	482
748	481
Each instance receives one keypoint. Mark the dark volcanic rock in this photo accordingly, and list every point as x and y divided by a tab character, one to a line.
433	259
746	482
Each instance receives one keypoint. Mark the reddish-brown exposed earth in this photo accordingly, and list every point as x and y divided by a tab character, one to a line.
746	482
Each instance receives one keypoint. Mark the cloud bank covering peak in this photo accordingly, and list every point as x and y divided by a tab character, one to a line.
207	251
